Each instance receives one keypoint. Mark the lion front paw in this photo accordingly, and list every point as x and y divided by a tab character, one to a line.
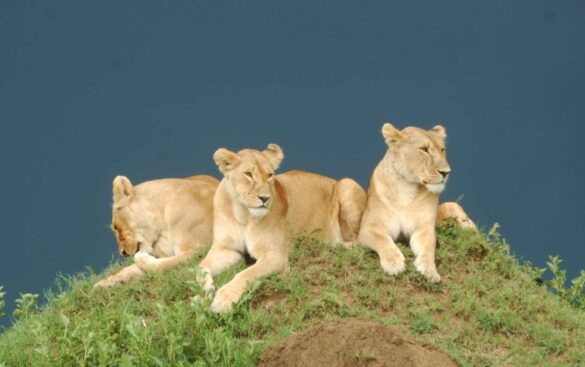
224	300
208	295
108	282
348	244
428	269
205	280
197	300
393	265
144	260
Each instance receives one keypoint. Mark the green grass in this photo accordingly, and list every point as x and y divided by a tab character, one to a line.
488	311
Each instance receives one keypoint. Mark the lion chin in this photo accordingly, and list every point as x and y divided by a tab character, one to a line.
435	188
258	212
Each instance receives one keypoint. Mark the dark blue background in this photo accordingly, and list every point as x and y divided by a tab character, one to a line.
151	89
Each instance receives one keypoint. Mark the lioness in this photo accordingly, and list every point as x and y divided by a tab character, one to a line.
160	222
403	198
258	213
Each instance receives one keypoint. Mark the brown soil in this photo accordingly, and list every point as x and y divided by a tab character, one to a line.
352	342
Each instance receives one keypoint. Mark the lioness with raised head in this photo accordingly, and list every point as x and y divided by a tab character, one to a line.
160	222
258	213
403	199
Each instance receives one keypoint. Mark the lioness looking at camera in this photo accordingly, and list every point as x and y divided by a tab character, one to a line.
403	199
259	213
160	222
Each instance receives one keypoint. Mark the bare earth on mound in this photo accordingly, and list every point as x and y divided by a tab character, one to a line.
352	342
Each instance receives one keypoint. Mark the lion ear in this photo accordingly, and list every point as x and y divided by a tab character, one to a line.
226	160
274	154
439	131
391	134
122	189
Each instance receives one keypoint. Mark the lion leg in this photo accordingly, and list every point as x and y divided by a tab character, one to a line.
391	258
125	275
454	210
217	259
423	243
147	262
351	199
231	292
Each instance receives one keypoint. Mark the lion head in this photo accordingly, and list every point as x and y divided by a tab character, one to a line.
249	174
418	155
122	214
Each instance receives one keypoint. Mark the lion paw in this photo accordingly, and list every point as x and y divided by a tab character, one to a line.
348	244
394	265
197	300
108	282
144	260
202	298
206	282
224	300
428	270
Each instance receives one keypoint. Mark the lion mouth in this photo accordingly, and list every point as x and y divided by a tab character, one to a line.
127	253
264	205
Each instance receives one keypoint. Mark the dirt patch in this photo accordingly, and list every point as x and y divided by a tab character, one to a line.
352	342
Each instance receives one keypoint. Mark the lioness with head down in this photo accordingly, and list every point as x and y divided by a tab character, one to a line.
160	222
403	199
257	212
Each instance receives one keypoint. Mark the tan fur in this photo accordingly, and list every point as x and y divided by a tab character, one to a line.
295	203
449	210
403	198
160	222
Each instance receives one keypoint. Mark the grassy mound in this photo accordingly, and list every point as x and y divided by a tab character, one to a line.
487	311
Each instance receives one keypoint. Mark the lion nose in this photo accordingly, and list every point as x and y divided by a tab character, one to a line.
444	173
264	199
123	253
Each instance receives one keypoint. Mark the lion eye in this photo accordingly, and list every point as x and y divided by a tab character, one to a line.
270	175
425	149
248	174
